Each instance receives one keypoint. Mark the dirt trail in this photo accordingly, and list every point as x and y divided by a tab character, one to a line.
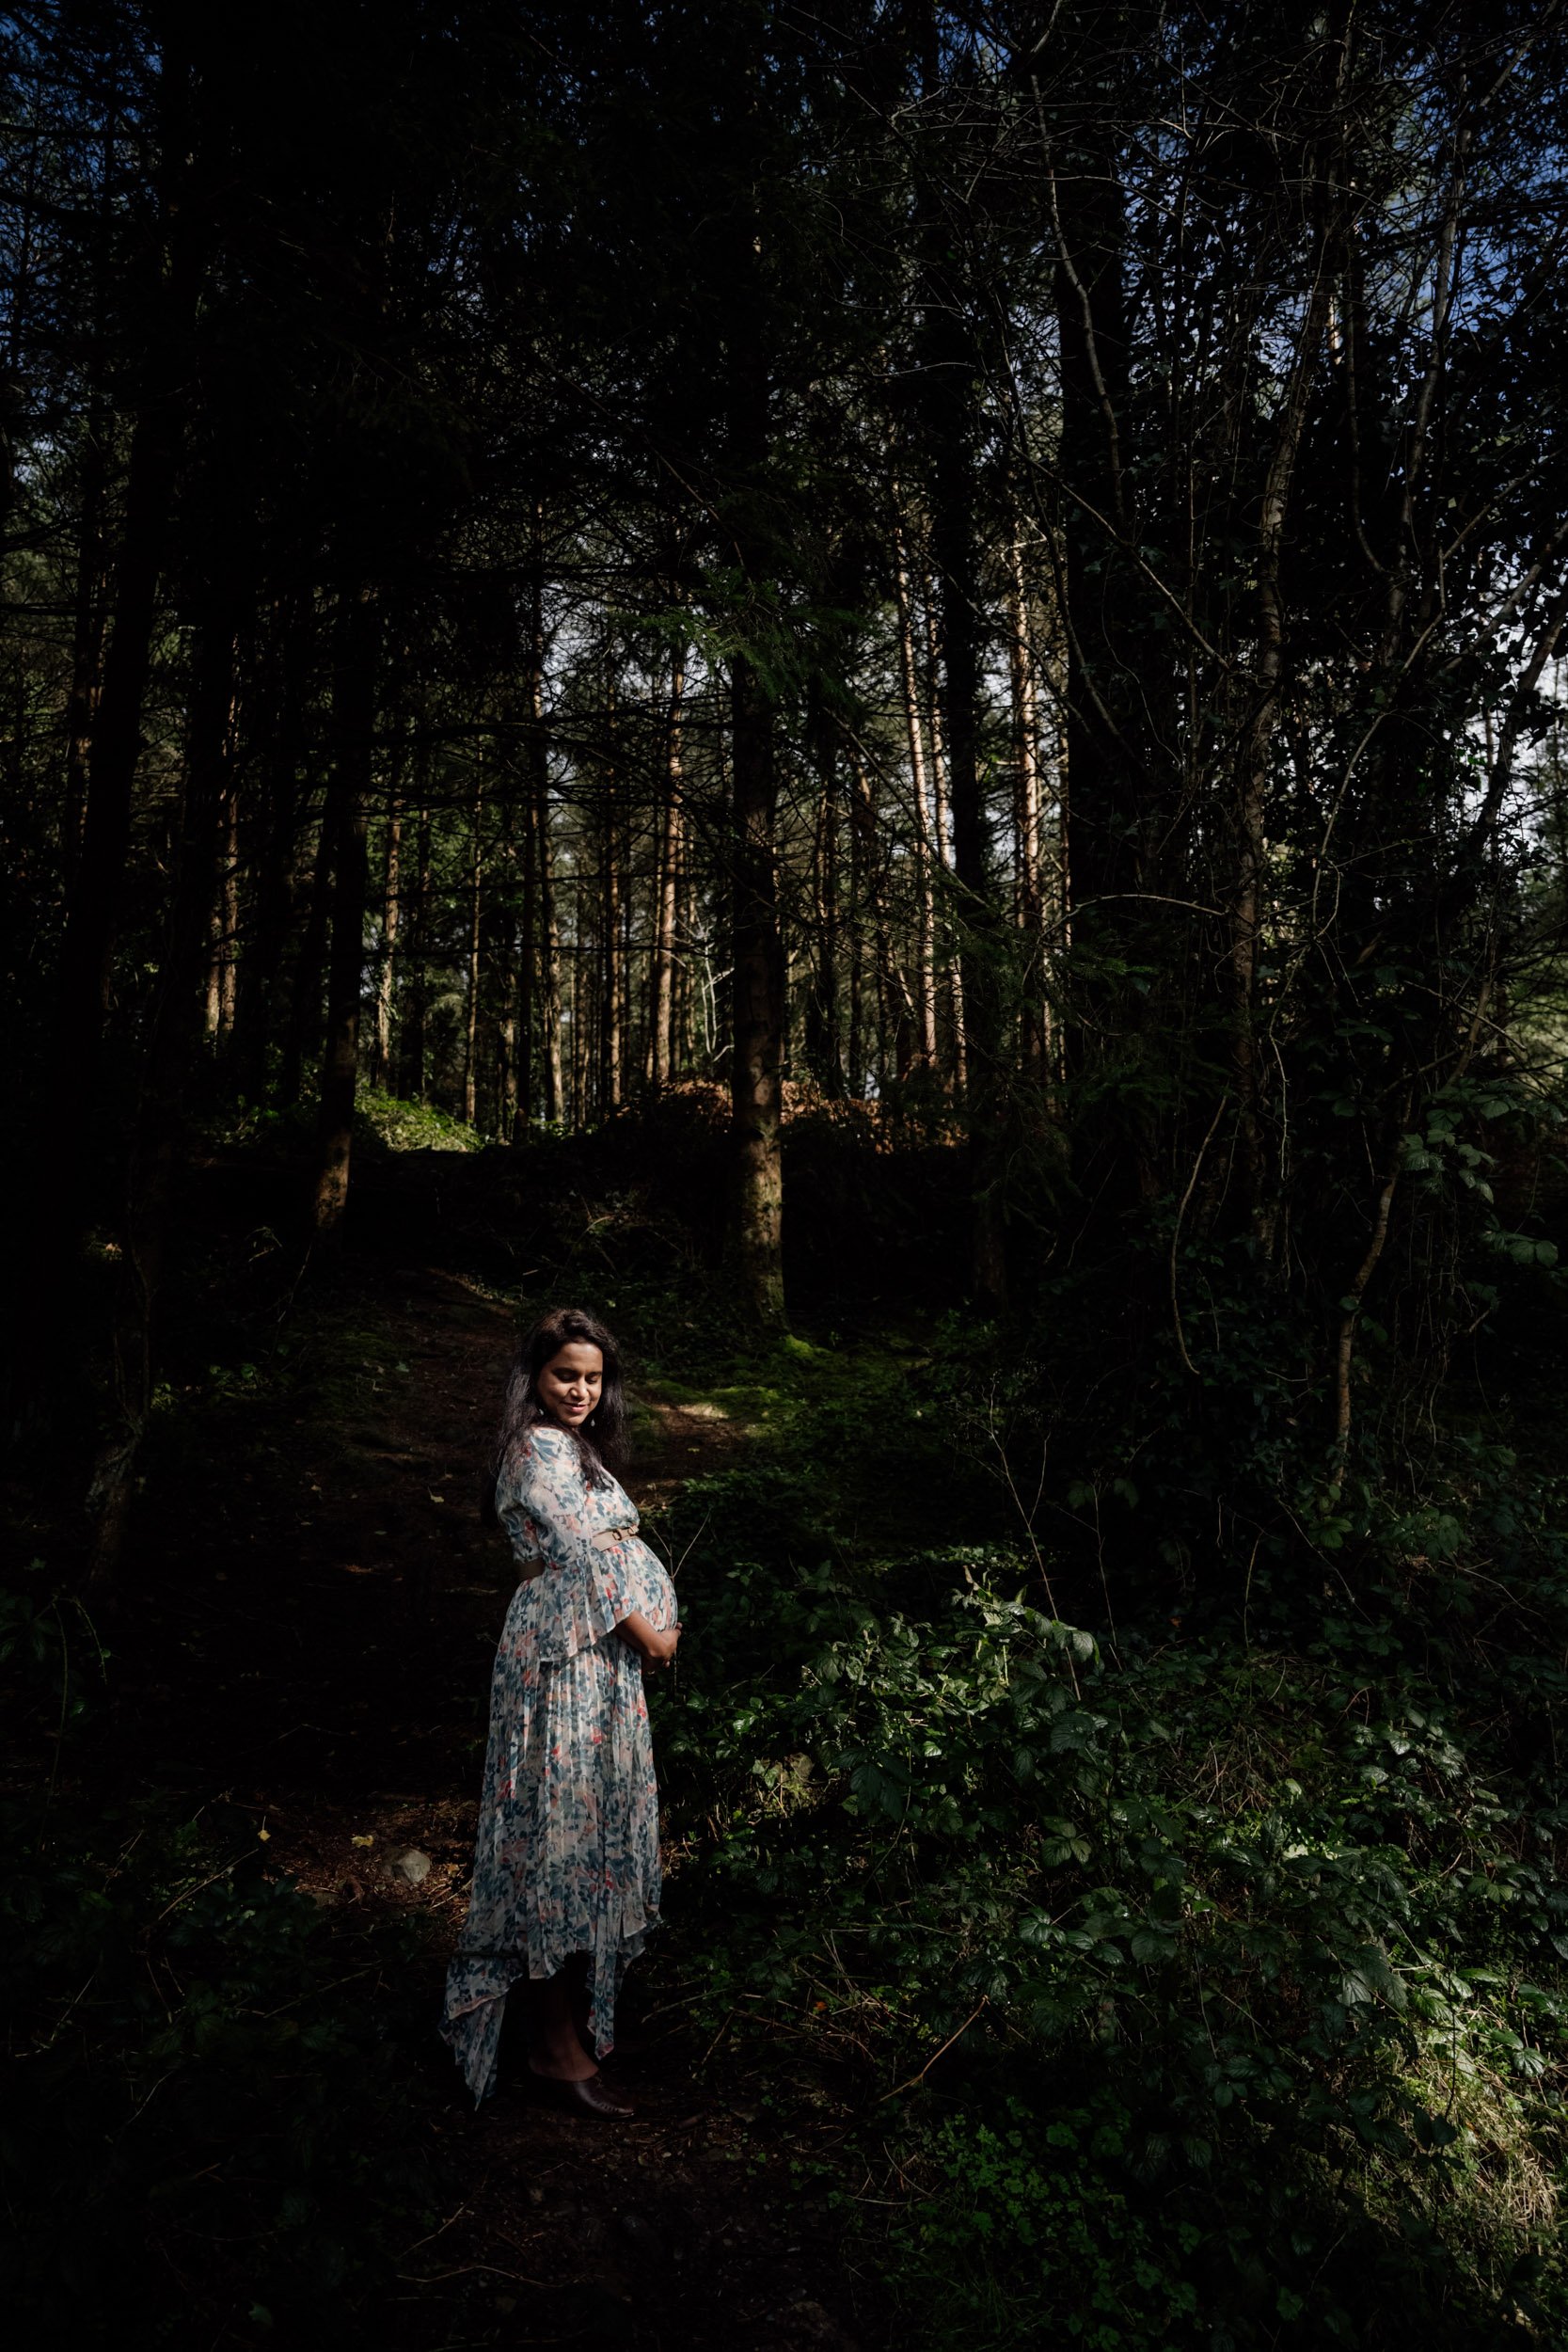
315	1631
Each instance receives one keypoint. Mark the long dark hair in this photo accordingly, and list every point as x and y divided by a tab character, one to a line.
601	1441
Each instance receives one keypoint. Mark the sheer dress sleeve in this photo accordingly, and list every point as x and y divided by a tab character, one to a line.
545	1506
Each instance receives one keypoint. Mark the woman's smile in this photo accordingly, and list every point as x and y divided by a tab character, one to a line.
571	1383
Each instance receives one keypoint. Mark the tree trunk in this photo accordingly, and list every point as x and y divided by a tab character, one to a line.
224	920
476	912
391	905
982	952
758	1001
528	950
926	959
611	973
824	1041
413	1037
276	860
942	813
1116	811
91	918
545	962
302	1030
87	646
1026	813
354	721
857	1075
152	1166
660	1065
549	941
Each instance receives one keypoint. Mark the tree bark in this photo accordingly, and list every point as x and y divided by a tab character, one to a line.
302	1032
983	951
824	1041
549	942
354	702
1026	813
91	919
476	915
221	694
275	857
942	813
413	1037
758	1001
662	1058
154	1156
87	647
528	950
926	966
391	909
612	975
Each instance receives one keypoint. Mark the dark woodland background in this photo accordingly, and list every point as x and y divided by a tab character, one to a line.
881	687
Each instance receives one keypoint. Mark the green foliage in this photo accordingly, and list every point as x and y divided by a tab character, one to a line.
1274	1932
1025	2233
410	1126
194	2095
202	2098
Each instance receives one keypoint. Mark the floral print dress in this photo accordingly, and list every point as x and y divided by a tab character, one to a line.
567	1853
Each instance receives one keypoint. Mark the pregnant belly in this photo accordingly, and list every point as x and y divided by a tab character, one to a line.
647	1587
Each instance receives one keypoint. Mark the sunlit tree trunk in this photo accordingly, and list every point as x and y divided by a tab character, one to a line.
824	1041
86	648
343	835
528	937
612	975
983	950
758	999
661	1058
549	943
224	922
476	917
925	827
1026	812
942	815
391	916
413	1028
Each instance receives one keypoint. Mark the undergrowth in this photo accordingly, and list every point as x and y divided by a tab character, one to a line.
205	2122
1218	1982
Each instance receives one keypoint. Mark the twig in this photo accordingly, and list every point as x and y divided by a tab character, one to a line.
935	2055
437	2232
1176	1236
717	2039
492	2270
186	1893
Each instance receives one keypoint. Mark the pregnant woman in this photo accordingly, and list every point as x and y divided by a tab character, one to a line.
566	1862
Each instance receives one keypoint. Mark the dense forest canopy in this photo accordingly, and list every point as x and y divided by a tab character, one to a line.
1005	568
989	583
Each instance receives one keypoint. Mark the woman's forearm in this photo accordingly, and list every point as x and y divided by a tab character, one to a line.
633	1628
651	1645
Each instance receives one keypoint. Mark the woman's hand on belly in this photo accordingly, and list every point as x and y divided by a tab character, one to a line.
654	1645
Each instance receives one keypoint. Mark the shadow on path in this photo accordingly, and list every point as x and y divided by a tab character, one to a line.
317	1606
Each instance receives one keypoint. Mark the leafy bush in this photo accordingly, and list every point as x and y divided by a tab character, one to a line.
1025	2233
1280	1930
409	1126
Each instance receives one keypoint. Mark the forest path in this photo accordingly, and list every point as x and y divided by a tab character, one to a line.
332	1605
